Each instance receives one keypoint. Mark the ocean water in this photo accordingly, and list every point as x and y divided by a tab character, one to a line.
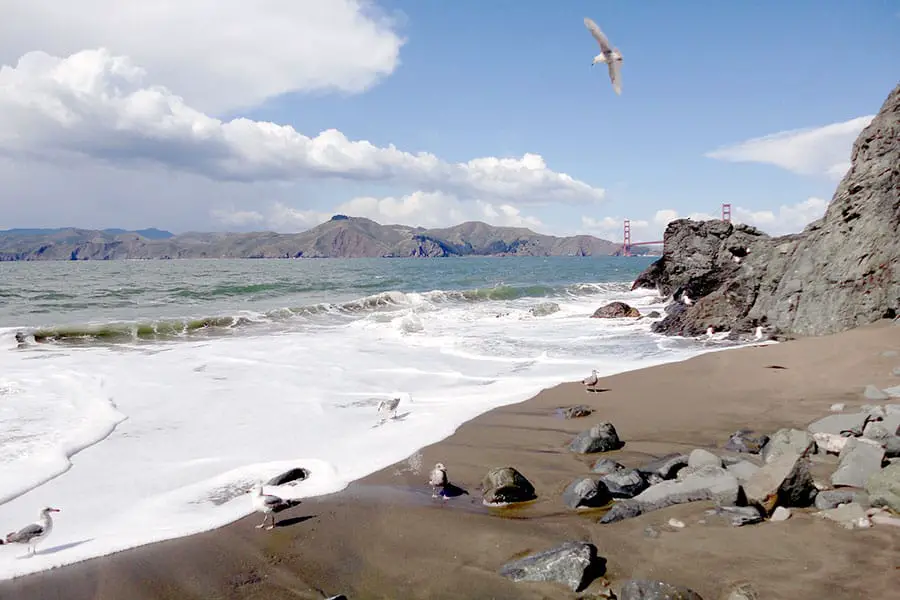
155	393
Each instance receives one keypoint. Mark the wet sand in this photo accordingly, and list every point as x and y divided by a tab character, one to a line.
385	537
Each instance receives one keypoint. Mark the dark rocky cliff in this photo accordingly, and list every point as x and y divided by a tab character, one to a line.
842	271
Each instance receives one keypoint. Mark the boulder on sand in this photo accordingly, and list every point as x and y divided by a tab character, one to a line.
625	483
615	310
860	459
790	441
884	487
586	493
645	589
747	441
504	485
573	564
602	437
786	481
665	467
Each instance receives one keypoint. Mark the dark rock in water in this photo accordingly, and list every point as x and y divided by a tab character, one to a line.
747	441
576	412
504	485
645	589
586	493
666	467
625	483
604	466
653	314
602	437
573	564
839	273
615	310
296	474
739	515
828	499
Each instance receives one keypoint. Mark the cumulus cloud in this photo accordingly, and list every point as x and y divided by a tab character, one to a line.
219	54
96	105
423	209
787	219
822	151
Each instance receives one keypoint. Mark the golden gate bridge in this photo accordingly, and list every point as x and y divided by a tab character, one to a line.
626	237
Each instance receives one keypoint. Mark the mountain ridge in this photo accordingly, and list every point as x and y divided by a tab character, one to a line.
341	236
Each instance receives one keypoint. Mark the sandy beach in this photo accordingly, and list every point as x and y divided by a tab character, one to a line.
385	537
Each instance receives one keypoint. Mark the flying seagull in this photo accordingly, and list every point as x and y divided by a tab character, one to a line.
269	504
609	55
34	533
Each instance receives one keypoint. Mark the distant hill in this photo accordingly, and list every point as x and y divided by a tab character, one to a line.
339	237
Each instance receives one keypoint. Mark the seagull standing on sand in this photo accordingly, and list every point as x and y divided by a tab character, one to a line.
34	533
609	55
438	479
269	504
592	380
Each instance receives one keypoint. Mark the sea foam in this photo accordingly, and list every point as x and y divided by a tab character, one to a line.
184	428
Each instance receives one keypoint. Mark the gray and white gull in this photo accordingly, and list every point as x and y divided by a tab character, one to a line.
391	405
438	479
33	534
609	55
269	504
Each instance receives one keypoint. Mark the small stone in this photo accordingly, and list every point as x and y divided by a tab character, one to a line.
602	437
838	407
703	458
747	441
644	589
605	466
576	412
739	515
676	524
873	393
650	532
742	591
568	564
586	493
781	514
828	499
615	310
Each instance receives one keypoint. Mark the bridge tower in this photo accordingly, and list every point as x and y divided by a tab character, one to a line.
726	212
626	246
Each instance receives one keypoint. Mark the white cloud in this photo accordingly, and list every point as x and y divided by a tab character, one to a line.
95	105
788	219
219	54
823	151
422	209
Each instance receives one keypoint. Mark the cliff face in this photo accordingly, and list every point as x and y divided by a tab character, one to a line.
842	271
340	237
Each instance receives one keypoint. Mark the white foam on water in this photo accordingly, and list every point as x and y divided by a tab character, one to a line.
170	435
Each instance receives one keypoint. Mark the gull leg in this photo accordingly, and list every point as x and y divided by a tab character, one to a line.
433	492
272	526
263	524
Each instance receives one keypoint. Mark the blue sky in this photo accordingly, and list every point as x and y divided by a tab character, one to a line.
501	79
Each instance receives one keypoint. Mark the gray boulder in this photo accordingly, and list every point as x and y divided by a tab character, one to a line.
747	441
827	499
786	481
572	564
665	467
544	308
703	458
860	459
788	441
896	371
742	470
602	437
874	393
586	493
625	483
884	487
604	466
504	485
892	392
706	483
645	589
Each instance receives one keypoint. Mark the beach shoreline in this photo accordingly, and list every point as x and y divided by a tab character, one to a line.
384	536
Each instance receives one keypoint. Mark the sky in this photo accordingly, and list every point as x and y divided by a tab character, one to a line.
224	115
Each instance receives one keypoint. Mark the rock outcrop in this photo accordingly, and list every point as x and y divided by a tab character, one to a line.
842	271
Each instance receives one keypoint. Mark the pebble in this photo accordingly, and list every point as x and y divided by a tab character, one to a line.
838	407
650	532
676	523
781	514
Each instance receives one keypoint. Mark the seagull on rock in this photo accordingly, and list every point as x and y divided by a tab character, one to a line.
609	55
32	534
269	504
592	380
438	479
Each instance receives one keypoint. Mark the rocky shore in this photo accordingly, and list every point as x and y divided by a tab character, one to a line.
761	472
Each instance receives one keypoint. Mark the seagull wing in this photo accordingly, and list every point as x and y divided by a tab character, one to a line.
598	35
615	75
26	533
